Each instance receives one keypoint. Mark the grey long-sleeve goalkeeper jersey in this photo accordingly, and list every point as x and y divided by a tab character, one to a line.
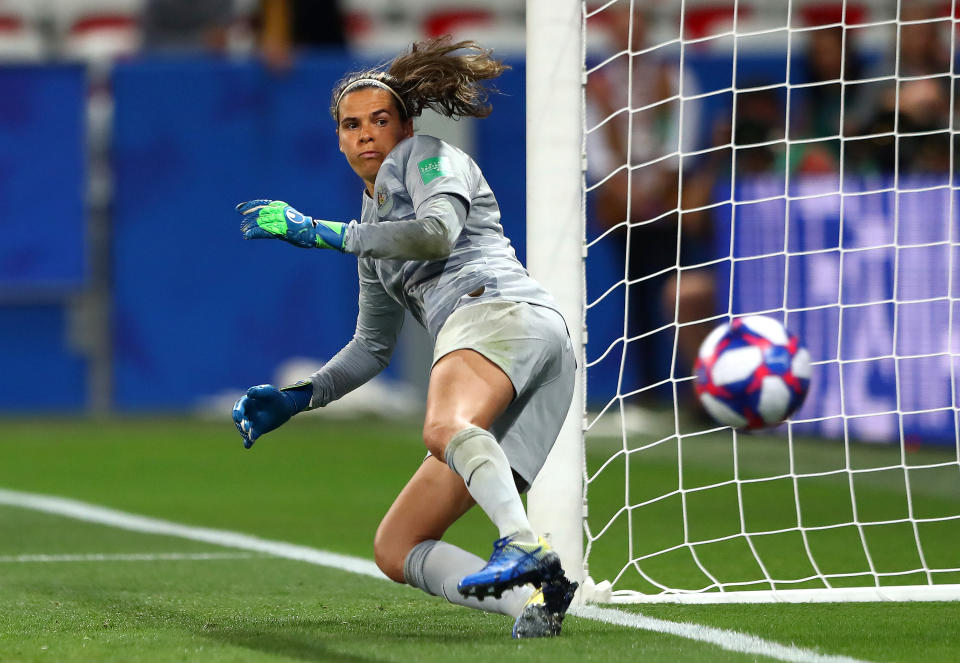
429	237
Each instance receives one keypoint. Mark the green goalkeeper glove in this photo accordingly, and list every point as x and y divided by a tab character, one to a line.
269	219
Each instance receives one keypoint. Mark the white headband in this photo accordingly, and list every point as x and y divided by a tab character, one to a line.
363	82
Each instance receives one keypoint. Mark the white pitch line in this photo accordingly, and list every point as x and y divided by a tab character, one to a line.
129	521
729	640
734	641
126	557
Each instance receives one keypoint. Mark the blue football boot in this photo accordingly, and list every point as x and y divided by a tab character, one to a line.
543	613
512	564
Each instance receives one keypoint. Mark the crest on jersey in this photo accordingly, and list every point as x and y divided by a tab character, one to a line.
384	201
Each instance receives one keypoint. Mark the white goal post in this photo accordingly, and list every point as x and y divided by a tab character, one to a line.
848	231
555	240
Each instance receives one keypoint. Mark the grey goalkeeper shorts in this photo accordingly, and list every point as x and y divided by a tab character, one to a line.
531	345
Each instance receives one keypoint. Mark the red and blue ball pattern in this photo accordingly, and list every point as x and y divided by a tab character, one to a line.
751	373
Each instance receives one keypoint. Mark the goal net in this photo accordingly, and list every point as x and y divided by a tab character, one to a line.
791	159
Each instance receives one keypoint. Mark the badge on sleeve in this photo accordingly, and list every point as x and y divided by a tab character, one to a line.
431	169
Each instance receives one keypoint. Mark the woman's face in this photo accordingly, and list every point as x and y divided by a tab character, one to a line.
369	127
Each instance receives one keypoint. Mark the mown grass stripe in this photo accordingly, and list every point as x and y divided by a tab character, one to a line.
729	640
124	557
743	643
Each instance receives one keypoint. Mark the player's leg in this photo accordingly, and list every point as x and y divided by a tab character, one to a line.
467	393
527	432
408	548
491	358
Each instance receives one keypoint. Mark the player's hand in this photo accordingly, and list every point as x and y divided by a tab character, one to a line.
262	409
269	219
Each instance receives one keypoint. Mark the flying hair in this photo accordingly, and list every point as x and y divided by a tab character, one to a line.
439	74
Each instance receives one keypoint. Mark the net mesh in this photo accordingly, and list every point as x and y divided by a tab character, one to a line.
795	161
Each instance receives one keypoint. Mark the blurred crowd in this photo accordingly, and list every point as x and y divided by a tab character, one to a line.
849	111
871	98
104	30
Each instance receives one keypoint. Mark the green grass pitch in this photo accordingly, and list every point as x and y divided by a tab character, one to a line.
326	484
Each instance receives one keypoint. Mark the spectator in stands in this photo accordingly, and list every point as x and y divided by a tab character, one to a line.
706	182
650	147
286	25
282	26
654	128
924	103
816	113
759	120
187	25
921	104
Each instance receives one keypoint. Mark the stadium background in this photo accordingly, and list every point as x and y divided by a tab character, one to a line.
137	293
125	290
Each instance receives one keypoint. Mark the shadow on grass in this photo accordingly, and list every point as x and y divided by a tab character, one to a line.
283	641
259	626
331	639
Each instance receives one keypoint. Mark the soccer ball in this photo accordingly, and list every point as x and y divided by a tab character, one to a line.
751	373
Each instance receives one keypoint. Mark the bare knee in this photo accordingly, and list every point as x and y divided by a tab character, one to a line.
432	500
390	554
437	433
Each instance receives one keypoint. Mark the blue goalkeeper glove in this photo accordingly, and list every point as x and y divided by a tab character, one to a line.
268	219
264	408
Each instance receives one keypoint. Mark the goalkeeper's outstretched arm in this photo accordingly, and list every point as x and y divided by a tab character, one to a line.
379	319
431	236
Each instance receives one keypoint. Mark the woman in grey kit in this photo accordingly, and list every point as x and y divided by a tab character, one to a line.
430	242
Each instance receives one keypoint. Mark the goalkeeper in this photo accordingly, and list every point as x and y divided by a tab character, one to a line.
430	242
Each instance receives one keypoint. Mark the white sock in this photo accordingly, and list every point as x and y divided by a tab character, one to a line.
436	568
474	454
